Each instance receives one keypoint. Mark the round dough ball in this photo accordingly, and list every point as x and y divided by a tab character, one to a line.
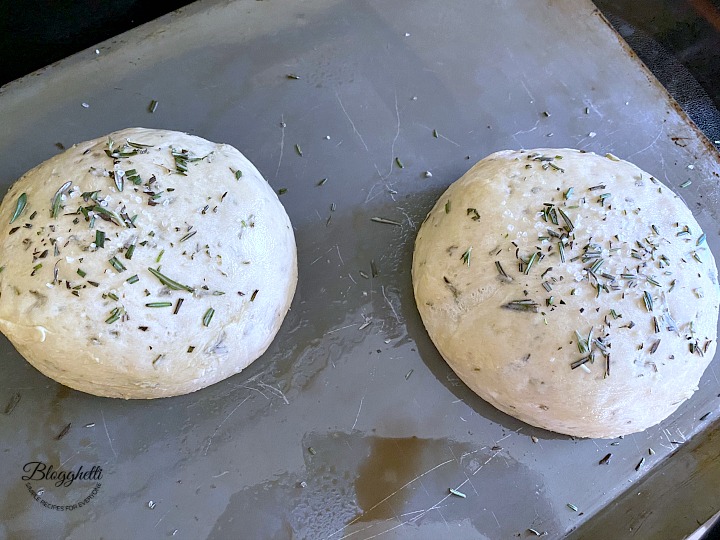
144	264
572	291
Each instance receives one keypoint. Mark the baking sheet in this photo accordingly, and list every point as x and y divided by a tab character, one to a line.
344	428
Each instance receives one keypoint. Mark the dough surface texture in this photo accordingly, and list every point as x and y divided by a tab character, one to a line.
572	291
144	264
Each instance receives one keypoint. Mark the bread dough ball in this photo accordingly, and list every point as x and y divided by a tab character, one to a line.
144	264
570	290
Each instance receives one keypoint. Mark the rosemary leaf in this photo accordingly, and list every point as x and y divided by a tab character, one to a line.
386	221
21	203
208	316
170	283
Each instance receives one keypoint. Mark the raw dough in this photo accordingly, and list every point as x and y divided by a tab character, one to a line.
80	307
637	281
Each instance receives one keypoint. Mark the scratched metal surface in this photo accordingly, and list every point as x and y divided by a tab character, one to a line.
390	427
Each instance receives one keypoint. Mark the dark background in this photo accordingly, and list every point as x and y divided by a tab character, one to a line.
679	40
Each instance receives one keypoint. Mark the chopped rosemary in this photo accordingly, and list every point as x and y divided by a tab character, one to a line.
153	106
386	221
158	304
501	271
282	191
162	252
115	315
108	215
605	460
522	305
322	182
130	251
530	262
373	268
208	316
133	176
133	279
57	199
238	174
466	256
568	193
137	145
447	207
577	363
581	343
566	219
474	212
81	272
100	239
188	235
654	347
21	203
177	305
640	464
170	283
700	240
572	507
457	493
298	150
116	264
648	301
435	133
399	163
596	265
253	295
686	183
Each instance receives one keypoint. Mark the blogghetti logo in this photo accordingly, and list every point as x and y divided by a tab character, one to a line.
68	489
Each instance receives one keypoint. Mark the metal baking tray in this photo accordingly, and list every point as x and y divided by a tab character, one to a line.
351	425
